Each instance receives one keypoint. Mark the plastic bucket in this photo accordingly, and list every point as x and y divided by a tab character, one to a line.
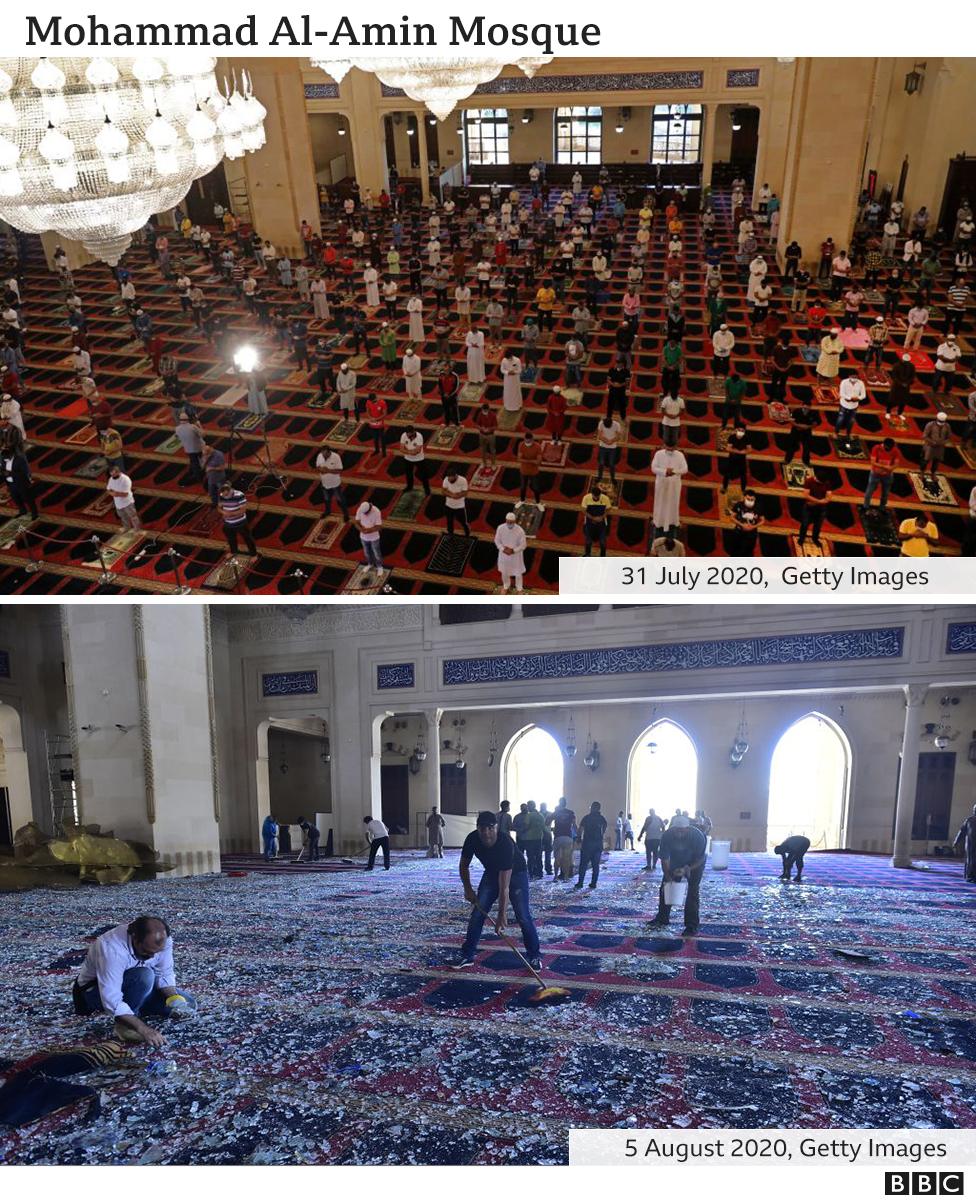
720	855
675	891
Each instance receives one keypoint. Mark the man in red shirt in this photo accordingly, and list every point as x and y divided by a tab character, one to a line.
100	412
884	460
329	258
376	413
556	419
487	424
814	506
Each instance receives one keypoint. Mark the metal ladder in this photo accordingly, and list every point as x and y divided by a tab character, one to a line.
61	781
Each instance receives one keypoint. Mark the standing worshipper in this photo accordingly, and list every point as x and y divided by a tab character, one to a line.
511	371
831	349
966	837
475	342
415	312
592	829
269	835
435	834
682	857
511	541
369	521
371	280
668	467
650	834
563	830
505	878
412	373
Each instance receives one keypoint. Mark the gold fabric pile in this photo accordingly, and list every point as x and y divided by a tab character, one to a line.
83	853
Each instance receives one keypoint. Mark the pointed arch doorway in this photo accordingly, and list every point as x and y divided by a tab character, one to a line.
809	781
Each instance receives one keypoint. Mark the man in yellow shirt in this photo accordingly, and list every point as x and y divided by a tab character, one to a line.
545	302
917	534
596	509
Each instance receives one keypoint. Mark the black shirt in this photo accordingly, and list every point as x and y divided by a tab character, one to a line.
682	847
795	845
563	820
592	828
503	856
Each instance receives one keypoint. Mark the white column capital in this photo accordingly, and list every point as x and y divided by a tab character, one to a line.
915	694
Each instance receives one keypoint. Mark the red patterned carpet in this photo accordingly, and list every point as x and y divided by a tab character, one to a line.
299	554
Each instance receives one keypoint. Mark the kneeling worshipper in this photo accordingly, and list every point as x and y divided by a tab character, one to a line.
682	857
792	850
129	973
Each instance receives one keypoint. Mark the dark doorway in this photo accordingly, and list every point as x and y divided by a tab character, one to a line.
960	185
933	796
454	790
395	798
204	194
745	140
6	829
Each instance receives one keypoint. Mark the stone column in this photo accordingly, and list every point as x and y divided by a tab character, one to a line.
433	762
709	117
361	91
422	152
142	715
281	186
908	775
759	177
16	768
827	136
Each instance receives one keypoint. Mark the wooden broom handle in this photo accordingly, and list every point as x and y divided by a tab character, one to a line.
508	941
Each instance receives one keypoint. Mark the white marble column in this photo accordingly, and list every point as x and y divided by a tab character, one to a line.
422	151
908	775
143	722
433	761
758	178
709	117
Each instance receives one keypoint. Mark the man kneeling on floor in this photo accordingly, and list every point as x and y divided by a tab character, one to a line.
506	877
682	857
792	851
129	973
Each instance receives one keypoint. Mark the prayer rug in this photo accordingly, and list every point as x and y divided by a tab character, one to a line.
810	354
826	395
952	406
112	550
921	361
855	339
876	379
249	422
554	454
152	388
509	419
451	555
95	468
407	505
529	516
879	527
853	449
483	480
323	534
365	581
445	438
809	550
101	506
386	382
716	388
342	432
320	401
230	397
471	393
932	491
968	455
226	576
610	490
410	410
172	445
573	395
795	475
206	520
83	436
216	372
11	530
529	374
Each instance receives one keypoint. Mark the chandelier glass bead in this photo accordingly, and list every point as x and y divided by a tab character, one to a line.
440	83
91	148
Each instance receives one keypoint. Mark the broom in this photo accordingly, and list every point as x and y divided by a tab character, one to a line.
543	994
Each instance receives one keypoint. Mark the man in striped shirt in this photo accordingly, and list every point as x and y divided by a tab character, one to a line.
233	509
956	301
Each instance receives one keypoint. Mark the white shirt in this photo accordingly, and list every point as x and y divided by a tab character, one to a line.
851	393
121	489
722	343
948	353
454	492
413	447
110	956
608	437
377	829
330	465
370	517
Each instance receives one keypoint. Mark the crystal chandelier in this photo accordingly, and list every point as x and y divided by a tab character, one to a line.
440	83
92	147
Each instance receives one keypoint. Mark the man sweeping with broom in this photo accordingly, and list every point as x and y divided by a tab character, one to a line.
506	877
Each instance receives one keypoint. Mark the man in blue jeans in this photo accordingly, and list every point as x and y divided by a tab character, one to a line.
682	857
506	877
592	830
129	973
269	835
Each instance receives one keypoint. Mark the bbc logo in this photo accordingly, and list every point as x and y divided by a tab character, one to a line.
923	1183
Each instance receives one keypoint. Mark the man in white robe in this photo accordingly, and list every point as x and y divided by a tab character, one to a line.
668	466
511	540
411	373
346	387
757	273
415	311
511	368
371	279
475	342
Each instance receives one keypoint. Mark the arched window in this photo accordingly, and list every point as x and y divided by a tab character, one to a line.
579	134
486	137
676	131
532	769
663	772
808	784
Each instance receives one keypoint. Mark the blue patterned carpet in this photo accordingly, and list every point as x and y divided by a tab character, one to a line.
330	1031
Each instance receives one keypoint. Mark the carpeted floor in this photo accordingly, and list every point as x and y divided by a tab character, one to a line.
330	1031
296	556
